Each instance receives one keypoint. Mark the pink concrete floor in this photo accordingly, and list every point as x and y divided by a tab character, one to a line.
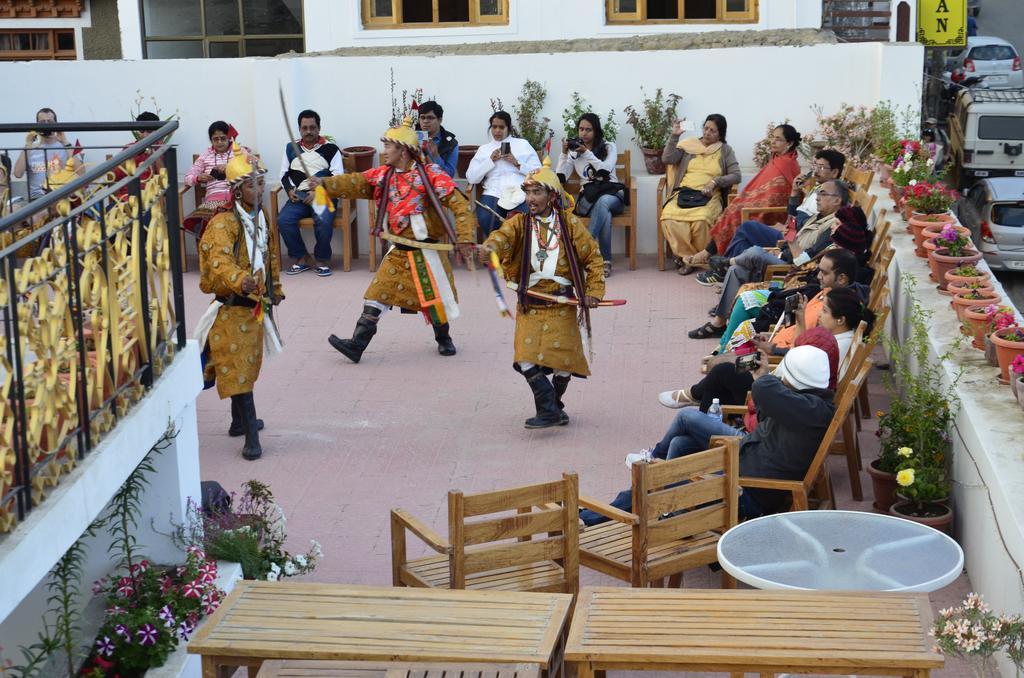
345	443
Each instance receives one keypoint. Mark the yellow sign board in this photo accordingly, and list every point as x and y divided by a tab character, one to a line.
942	23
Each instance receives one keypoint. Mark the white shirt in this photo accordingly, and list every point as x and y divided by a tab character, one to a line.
844	339
810	204
568	162
545	269
497	176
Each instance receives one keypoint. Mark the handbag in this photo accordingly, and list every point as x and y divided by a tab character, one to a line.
691	197
599	185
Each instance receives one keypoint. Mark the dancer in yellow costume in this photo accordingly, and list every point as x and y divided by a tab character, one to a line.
238	262
549	252
415	275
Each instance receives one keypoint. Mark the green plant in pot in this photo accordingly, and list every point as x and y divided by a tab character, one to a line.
652	125
531	123
923	487
576	108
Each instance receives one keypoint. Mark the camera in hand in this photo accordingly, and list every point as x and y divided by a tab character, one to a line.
506	147
747	363
789	312
575	144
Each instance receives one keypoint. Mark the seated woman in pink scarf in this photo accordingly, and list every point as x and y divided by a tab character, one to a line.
208	172
769	188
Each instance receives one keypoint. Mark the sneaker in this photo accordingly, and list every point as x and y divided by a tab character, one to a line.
719	264
297	269
323	271
607	269
676	399
709	279
644	456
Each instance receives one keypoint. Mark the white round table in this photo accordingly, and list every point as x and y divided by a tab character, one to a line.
839	550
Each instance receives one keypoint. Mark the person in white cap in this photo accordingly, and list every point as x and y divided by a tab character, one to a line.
794	409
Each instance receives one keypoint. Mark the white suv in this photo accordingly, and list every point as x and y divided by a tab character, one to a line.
994	58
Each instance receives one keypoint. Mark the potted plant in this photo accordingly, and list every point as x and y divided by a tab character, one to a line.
967	273
980	284
652	126
923	492
973	633
930	203
952	249
964	300
1009	344
576	108
530	121
921	408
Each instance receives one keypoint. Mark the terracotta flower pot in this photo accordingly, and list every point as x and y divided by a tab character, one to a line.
983	277
652	160
940	261
960	302
938	516
980	284
363	156
1006	350
466	154
929	233
975	321
894	192
990	352
885	487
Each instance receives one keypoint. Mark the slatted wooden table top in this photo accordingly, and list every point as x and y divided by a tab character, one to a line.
800	631
301	668
283	620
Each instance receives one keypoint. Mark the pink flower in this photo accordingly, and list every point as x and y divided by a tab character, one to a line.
115	610
193	589
1017	366
125	589
99	585
166	584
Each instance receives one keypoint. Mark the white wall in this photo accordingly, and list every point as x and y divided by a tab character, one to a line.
331	24
750	86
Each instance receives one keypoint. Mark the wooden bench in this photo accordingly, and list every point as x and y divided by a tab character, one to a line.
766	632
261	621
299	668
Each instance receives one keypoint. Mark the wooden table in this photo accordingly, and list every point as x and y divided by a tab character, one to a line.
302	668
766	632
283	620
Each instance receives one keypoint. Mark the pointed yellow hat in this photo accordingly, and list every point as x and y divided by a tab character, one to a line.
243	165
403	135
544	177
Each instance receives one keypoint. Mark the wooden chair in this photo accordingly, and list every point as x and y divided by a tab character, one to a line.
345	218
858	177
666	186
198	195
816	483
644	547
626	220
497	552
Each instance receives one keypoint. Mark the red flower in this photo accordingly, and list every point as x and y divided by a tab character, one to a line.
193	589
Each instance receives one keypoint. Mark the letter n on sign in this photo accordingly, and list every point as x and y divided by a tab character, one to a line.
942	23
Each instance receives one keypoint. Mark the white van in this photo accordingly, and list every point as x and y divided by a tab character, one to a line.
986	135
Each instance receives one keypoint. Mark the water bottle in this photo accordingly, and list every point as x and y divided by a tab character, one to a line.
715	411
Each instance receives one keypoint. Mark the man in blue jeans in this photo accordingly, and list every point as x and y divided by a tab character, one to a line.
794	409
320	158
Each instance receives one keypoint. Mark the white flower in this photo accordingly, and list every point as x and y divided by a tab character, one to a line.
300	560
275	568
930	162
913	182
271	576
289	568
317	549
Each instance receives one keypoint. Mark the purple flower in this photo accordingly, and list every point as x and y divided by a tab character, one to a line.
185	630
105	646
167	616
122	631
147	634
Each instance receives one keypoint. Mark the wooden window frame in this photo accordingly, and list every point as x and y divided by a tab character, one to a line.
206	39
396	21
51	54
747	16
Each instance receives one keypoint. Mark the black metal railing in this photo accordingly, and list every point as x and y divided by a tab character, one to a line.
91	306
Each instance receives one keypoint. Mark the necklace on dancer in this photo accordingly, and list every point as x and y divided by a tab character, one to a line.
545	242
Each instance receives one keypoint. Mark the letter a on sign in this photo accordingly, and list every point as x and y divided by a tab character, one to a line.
942	23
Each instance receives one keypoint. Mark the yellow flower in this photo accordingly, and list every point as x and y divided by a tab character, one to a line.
905	478
904	452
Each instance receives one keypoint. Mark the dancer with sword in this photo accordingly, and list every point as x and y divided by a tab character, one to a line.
415	275
556	268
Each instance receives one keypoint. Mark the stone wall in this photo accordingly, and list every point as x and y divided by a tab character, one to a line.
103	39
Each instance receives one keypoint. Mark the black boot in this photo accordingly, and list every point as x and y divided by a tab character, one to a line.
445	346
366	327
560	384
237	427
247	410
544	398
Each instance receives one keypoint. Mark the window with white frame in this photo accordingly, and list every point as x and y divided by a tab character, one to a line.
681	11
429	13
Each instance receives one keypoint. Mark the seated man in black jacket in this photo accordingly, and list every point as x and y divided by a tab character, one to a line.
794	409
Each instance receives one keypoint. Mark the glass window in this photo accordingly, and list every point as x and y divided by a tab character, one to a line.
417	12
992	53
452	10
737	5
492	7
66	41
272	17
1008	214
380	8
700	9
174	49
272	46
662	9
224	49
1001	127
222	17
625	6
710	11
171	17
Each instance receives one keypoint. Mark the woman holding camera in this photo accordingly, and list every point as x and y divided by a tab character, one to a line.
593	159
208	172
706	167
501	165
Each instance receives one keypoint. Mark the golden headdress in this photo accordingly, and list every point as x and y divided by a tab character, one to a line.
243	165
404	135
543	176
